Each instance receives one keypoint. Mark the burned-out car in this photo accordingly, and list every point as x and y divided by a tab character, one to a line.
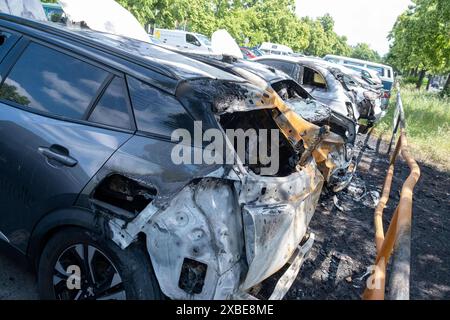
301	102
123	176
333	85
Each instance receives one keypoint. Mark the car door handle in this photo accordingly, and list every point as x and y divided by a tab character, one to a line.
59	154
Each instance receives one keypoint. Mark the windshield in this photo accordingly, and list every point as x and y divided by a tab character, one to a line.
204	39
259	53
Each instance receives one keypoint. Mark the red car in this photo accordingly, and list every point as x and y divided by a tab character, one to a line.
247	53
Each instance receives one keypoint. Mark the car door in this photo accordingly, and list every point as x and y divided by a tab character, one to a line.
315	83
53	136
192	43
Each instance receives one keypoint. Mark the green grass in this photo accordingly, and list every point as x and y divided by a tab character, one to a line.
427	125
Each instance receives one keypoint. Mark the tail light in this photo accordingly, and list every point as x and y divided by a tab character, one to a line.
387	95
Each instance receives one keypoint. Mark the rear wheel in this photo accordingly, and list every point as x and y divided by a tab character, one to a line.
76	264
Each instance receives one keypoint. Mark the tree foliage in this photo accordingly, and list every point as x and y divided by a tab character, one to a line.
250	22
421	38
364	52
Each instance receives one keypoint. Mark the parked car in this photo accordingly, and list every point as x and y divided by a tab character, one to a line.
333	85
318	81
386	73
257	52
368	96
53	11
275	49
367	73
89	187
247	53
183	40
300	101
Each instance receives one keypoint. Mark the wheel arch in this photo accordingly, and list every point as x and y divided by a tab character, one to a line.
57	220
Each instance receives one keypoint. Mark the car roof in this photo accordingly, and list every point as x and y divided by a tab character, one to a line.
149	62
265	72
375	64
269	74
310	61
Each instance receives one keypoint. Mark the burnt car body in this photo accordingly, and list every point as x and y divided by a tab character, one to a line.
89	185
300	101
367	96
332	85
309	108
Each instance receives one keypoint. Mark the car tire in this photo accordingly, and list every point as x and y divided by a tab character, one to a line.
100	263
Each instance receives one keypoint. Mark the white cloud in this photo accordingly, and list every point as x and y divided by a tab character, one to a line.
360	20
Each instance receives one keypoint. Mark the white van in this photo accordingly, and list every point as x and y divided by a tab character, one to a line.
183	40
274	48
385	73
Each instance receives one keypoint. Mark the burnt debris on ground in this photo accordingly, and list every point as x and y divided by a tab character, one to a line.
336	267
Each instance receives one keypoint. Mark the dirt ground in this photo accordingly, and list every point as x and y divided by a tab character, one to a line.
344	245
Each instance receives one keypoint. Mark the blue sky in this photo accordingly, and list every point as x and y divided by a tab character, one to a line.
360	20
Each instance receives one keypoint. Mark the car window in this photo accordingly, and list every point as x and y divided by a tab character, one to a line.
351	63
191	39
112	108
332	60
157	112
379	70
204	39
7	41
49	81
313	78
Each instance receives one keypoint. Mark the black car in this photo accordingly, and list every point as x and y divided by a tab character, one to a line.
91	195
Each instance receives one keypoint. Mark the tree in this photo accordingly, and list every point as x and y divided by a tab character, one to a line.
322	39
421	39
250	22
364	52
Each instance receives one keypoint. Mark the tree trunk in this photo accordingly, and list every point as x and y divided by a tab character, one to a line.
415	72
447	84
429	81
421	77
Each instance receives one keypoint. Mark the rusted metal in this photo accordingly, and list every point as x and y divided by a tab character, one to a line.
397	241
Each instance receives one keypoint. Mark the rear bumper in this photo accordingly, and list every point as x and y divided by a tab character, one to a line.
276	214
286	280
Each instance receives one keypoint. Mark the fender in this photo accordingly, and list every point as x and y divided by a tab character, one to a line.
69	217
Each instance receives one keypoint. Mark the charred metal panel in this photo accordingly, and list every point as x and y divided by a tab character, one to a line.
276	213
202	223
